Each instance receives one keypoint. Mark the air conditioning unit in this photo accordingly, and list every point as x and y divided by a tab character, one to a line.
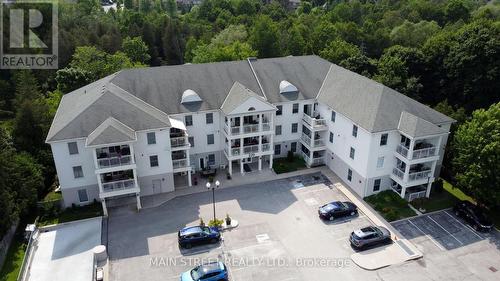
222	166
184	173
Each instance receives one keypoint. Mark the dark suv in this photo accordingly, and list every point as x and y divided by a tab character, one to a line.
370	236
473	215
196	235
337	209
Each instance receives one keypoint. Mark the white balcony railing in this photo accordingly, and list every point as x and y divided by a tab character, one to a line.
235	151
424	153
179	141
251	128
266	147
398	173
402	150
318	143
314	122
310	143
306	157
318	161
118	185
251	149
114	161
266	126
419	175
180	163
412	196
306	139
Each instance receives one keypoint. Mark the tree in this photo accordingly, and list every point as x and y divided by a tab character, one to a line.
28	130
338	50
136	49
26	87
70	78
456	10
477	145
213	53
264	37
414	34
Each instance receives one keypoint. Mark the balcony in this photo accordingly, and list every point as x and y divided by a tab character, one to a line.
250	149
266	147
420	151
398	173
180	164
177	142
118	185
419	175
114	161
315	123
247	128
318	142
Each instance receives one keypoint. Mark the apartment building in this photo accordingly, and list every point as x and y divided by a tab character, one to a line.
146	131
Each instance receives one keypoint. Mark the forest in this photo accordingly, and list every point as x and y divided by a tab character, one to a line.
445	54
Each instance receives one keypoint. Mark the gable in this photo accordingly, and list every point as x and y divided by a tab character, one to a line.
252	104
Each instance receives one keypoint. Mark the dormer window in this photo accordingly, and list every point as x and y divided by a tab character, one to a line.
189	96
287	87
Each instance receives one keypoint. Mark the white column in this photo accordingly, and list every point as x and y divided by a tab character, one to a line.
260	163
231	167
260	143
99	183
138	201
261	116
270	161
403	192
189	178
104	208
410	150
241	167
428	191
95	158
132	155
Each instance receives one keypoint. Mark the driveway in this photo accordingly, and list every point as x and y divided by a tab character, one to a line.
280	237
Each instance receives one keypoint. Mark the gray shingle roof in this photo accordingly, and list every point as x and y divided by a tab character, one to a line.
237	95
305	72
416	127
370	104
163	86
111	131
82	111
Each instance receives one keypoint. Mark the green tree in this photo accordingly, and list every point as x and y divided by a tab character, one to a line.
234	51
414	34
338	50
70	78
477	145
264	37
136	49
26	87
457	10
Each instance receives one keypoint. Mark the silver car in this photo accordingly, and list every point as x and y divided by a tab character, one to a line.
370	236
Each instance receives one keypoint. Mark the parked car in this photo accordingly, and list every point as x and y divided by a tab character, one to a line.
337	209
214	271
370	236
473	215
196	235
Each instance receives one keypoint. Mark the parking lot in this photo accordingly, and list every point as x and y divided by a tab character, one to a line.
280	237
443	235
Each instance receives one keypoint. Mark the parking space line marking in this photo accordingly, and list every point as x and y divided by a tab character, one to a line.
466	226
426	235
445	230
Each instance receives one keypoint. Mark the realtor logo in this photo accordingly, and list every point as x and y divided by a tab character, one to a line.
28	34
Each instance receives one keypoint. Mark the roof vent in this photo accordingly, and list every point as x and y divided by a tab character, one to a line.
287	87
190	96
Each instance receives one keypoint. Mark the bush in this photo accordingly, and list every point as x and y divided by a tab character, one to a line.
437	186
215	223
289	156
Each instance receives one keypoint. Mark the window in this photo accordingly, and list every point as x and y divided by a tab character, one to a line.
191	141
151	138
295	108
278	130
73	148
211	159
83	196
354	131
188	120
376	185
78	172
210	139
293	147
380	162
352	152
383	139
210	118
349	174
277	149
153	160
334	114
295	127
280	110
331	137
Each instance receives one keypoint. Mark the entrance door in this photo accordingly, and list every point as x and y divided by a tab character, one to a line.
202	163
156	186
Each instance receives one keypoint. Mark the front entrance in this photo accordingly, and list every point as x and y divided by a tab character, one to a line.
202	163
156	186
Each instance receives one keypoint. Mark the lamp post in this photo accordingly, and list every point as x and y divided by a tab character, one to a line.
209	186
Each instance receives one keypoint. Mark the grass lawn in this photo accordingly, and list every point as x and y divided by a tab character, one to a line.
443	199
52	196
390	205
72	214
14	259
283	165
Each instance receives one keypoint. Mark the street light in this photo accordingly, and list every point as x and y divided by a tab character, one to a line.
209	186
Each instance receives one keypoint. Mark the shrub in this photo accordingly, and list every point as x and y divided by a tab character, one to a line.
216	223
289	156
437	186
